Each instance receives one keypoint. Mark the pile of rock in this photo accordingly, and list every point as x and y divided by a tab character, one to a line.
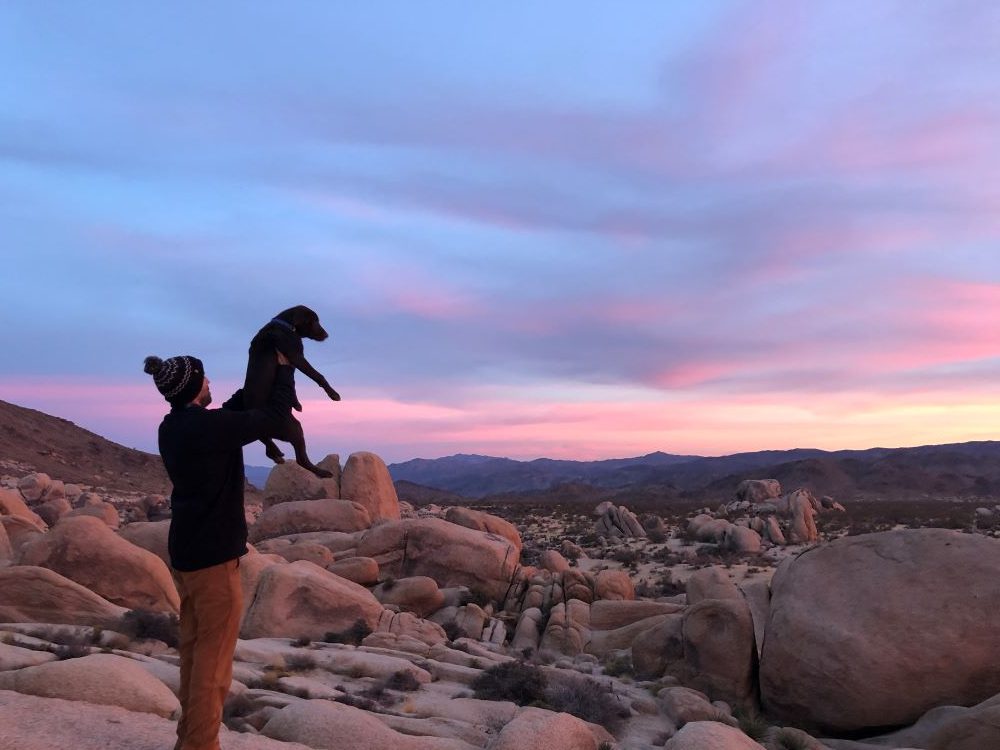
617	522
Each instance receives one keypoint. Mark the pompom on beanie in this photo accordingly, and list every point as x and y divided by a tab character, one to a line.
179	379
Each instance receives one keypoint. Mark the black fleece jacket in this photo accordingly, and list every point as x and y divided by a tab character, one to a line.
202	450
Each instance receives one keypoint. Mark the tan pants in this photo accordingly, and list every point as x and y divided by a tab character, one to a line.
211	605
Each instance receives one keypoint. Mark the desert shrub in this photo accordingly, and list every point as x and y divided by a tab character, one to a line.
657	536
365	704
353	635
141	623
269	680
513	681
389	583
606	745
752	724
302	642
402	680
626	556
588	700
479	598
378	694
300	662
616	666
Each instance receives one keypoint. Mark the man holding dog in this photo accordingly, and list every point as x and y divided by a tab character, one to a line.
202	450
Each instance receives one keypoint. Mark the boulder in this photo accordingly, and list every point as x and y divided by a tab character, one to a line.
366	480
326	725
362	570
553	561
417	594
889	602
6	549
618	523
11	504
741	539
712	531
450	554
976	729
659	646
104	511
613	584
303	600
104	679
538	728
32	594
720	653
568	628
85	550
331	485
19	531
710	735
298	516
477	519
711	583
289	482
33	486
613	614
528	632
683	705
15	657
317	554
758	490
407	625
52	510
150	535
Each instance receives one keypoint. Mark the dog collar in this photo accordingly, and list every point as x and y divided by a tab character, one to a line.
284	323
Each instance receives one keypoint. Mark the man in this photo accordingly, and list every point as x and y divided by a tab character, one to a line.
202	451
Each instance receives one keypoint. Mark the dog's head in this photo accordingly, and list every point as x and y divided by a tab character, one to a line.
305	322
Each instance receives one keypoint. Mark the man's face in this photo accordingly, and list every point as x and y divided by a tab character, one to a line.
204	397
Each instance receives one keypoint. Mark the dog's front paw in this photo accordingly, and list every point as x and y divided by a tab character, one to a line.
334	396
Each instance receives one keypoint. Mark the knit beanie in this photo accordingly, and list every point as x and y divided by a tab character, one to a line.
179	379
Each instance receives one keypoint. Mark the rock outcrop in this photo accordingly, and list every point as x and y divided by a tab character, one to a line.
85	550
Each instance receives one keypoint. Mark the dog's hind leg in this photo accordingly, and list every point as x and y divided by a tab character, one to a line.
298	440
272	451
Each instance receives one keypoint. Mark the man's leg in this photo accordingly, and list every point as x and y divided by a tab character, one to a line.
217	604
188	628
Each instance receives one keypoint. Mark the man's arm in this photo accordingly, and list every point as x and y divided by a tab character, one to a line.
241	427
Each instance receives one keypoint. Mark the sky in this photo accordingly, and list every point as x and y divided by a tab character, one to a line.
566	229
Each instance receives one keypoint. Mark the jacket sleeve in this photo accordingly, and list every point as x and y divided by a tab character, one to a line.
231	426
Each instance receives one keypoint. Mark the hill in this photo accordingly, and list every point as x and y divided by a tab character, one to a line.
961	470
34	441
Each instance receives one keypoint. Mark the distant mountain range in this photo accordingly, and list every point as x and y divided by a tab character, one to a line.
33	441
960	470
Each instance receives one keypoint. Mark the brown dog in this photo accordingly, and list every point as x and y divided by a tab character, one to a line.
284	333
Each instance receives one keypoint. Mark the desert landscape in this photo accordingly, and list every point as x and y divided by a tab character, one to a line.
769	618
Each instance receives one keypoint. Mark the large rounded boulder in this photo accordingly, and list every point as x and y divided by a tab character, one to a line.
32	594
872	631
301	516
452	555
301	599
86	550
366	480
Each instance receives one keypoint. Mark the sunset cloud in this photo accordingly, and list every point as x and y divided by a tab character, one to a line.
686	227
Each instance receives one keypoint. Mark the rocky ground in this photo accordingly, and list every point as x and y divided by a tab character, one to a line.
767	621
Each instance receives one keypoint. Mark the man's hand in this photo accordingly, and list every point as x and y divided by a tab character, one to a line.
333	394
282	359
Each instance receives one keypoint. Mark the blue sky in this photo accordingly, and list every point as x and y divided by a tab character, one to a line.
567	229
